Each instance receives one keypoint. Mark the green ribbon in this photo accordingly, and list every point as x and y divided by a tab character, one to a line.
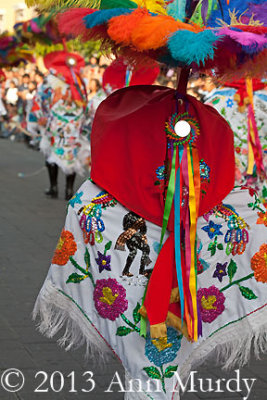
169	197
143	322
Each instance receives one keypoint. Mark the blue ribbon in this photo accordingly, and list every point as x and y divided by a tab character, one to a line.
177	233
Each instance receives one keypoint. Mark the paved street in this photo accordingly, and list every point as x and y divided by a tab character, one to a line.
30	225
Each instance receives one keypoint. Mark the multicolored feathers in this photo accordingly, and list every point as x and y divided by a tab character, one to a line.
191	33
13	52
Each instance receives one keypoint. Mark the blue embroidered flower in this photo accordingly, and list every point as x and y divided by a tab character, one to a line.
160	357
229	103
160	172
220	271
76	199
204	170
212	229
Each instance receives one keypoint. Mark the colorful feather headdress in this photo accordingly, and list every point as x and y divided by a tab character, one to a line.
13	52
228	36
42	29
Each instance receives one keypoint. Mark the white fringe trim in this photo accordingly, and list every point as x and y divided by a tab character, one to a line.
56	311
230	346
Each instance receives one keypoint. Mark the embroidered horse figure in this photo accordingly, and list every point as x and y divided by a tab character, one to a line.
134	236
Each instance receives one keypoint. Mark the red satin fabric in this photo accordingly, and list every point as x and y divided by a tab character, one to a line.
129	144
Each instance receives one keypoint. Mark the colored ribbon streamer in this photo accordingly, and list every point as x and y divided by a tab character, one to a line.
169	197
128	76
254	145
177	232
187	257
143	322
193	218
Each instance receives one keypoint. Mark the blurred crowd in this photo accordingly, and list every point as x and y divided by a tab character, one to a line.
21	84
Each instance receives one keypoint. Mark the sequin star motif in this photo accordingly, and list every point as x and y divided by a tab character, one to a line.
212	229
76	199
103	262
220	271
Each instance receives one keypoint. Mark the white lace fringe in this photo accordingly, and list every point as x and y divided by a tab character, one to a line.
231	346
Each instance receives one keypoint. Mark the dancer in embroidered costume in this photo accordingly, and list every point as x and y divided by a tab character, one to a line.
190	282
246	114
58	113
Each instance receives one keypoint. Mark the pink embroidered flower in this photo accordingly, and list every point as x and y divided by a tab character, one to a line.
211	303
110	298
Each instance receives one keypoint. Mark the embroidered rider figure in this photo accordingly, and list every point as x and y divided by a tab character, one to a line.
134	236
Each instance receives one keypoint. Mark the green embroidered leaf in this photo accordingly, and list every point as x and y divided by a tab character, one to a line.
152	372
220	246
212	248
136	315
211	245
87	258
264	191
250	204
223	111
75	278
247	293
231	270
108	246
216	101
123	331
169	371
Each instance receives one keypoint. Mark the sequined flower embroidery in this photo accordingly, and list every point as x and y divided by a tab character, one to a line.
66	247
103	262
76	199
229	103
262	217
220	271
259	264
110	298
211	303
167	354
204	170
160	172
212	229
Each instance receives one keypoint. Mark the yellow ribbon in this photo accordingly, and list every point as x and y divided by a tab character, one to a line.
193	224
251	160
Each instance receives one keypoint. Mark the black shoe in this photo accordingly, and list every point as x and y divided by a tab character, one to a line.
52	192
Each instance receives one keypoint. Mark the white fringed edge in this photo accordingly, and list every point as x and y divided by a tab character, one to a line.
55	311
231	346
